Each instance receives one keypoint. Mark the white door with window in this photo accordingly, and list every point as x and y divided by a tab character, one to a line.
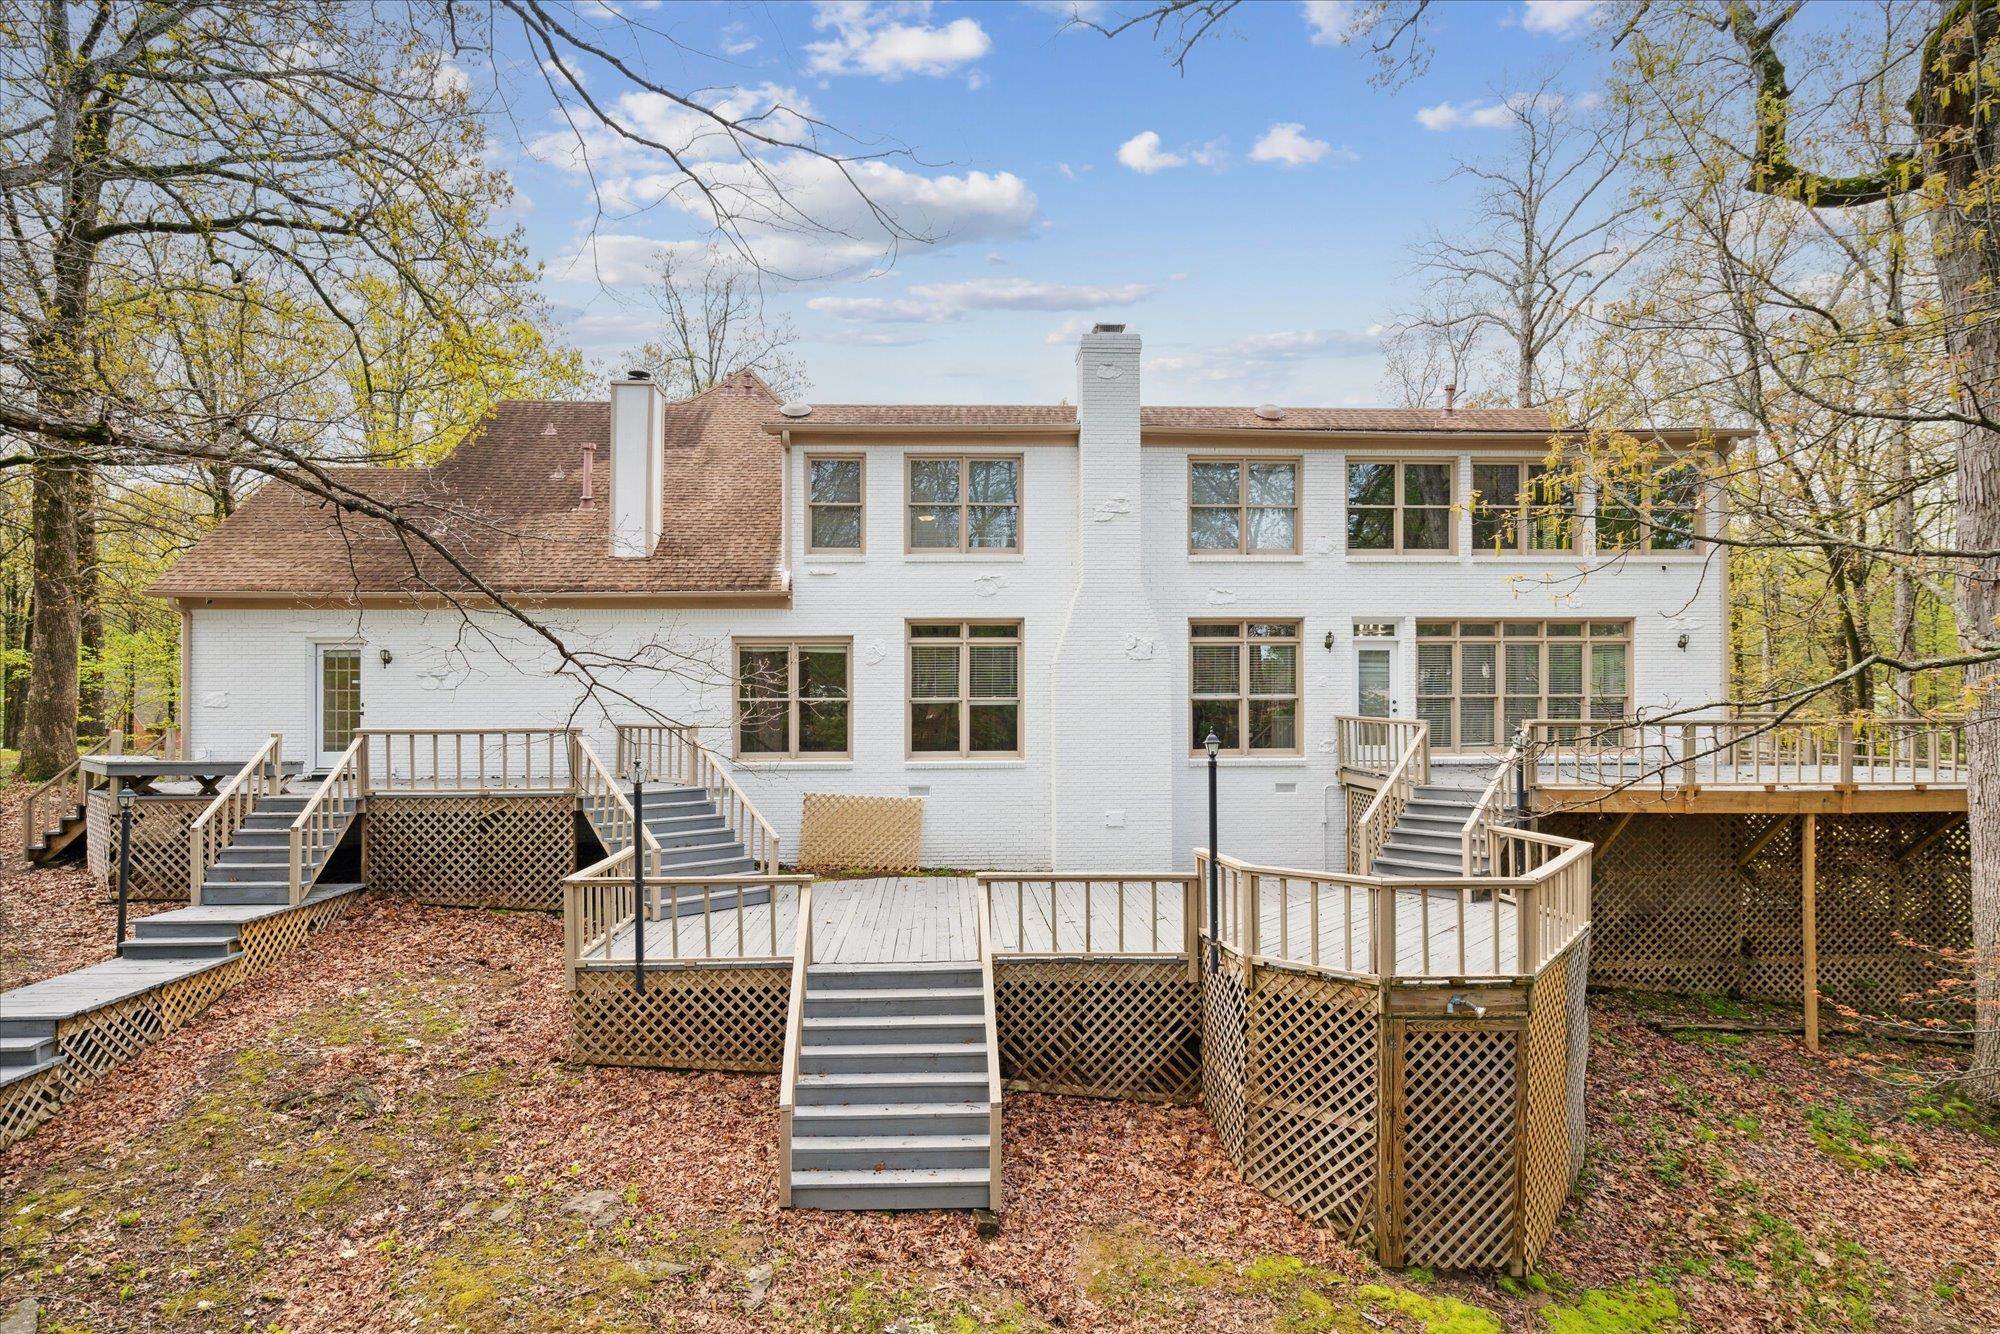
1376	693
337	699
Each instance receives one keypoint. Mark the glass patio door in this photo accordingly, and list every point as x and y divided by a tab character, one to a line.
1375	679
338	700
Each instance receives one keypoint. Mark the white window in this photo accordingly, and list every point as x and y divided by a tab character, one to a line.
792	698
1244	686
965	503
965	688
1247	505
834	487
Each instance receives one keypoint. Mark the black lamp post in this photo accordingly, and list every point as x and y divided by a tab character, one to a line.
1213	744
124	859
638	776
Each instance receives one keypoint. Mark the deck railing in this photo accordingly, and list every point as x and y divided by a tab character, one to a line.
993	1091
70	786
1489	812
211	831
1090	915
672	753
1368	926
706	920
1854	751
795	1009
1407	769
1375	745
606	805
327	814
428	761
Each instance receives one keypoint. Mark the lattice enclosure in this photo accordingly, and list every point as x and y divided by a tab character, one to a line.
696	1018
1558	1038
1673	912
26	1103
838	832
1099	1028
159	843
1456	1143
488	850
1224	1045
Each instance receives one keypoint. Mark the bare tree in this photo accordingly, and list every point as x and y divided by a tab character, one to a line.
1432	349
712	324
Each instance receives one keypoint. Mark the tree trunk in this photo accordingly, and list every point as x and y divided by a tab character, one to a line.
48	722
92	718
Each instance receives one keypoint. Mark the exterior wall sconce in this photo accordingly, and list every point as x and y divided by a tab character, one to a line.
1681	643
387	657
1329	641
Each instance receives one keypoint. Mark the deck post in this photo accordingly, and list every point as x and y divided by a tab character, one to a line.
1809	923
1845	736
1688	743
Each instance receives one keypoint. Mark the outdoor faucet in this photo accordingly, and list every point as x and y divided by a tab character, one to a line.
1459	1004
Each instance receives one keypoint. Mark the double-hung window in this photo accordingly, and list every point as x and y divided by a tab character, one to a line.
1521	508
1247	506
1244	686
833	502
1657	509
965	503
1399	506
1478	681
792	698
965	688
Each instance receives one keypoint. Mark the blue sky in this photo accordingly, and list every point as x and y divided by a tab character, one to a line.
1251	217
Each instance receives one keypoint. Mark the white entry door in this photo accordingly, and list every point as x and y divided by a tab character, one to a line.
337	699
1375	679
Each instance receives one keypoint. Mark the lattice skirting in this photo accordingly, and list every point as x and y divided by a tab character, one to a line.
159	843
1099	1028
1673	913
730	1018
474	851
1553	1057
95	1042
838	832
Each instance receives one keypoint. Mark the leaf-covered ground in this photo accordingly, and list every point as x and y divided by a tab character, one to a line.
384	1132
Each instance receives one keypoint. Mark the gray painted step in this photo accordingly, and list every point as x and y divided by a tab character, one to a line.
13	1074
839	1030
1432	822
945	1086
689	902
822	977
1408	868
179	947
866	1153
843	1119
933	1001
892	1057
1427	837
26	1051
267	893
933	1188
706	852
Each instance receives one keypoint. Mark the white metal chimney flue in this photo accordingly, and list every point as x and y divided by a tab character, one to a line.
638	464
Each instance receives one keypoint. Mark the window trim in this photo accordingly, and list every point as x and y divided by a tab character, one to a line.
792	697
1500	640
1243	750
1522	515
965	462
965	641
1452	508
1243	506
860	506
1697	528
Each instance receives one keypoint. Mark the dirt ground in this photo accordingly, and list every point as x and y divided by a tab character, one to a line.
384	1132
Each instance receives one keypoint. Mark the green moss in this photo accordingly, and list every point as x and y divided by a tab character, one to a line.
872	1303
1636	1308
1128	1270
1436	1314
1841	1134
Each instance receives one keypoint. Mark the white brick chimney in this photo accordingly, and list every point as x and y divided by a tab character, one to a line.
1114	704
638	464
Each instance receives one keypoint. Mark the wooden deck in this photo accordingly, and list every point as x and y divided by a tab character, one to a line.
933	919
1796	789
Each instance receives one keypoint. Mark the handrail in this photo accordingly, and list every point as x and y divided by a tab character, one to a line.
1353	925
1121	933
1379	819
262	776
605	804
993	1090
1488	813
73	777
673	753
1374	745
433	760
319	826
597	905
1852	751
795	1011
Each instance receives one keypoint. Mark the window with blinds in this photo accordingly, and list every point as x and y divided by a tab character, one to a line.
1521	508
968	503
1399	506
833	503
792	698
1247	506
1478	681
965	688
1244	686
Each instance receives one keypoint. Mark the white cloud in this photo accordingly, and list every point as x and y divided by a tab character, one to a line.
736	40
1287	144
878	338
1071	329
1073	11
933	303
869	39
1262	358
1332	22
1069	173
1499	115
1557	18
1142	154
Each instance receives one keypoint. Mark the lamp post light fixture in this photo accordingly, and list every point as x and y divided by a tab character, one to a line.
637	774
124	859
1213	745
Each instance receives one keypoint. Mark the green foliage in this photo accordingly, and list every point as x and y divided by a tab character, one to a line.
1637	1308
1842	1135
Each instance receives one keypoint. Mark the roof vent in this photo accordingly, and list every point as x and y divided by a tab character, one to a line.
549	430
797	409
1107	328
1270	412
638	375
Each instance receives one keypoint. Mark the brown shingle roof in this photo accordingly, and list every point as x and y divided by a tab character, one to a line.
505	504
1044	416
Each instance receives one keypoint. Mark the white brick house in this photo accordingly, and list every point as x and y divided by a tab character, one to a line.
1022	653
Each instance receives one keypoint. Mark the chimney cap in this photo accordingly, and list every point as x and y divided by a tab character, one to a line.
1107	328
637	374
796	409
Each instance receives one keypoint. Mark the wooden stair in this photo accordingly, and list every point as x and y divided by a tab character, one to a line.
53	840
1426	840
892	1091
255	867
